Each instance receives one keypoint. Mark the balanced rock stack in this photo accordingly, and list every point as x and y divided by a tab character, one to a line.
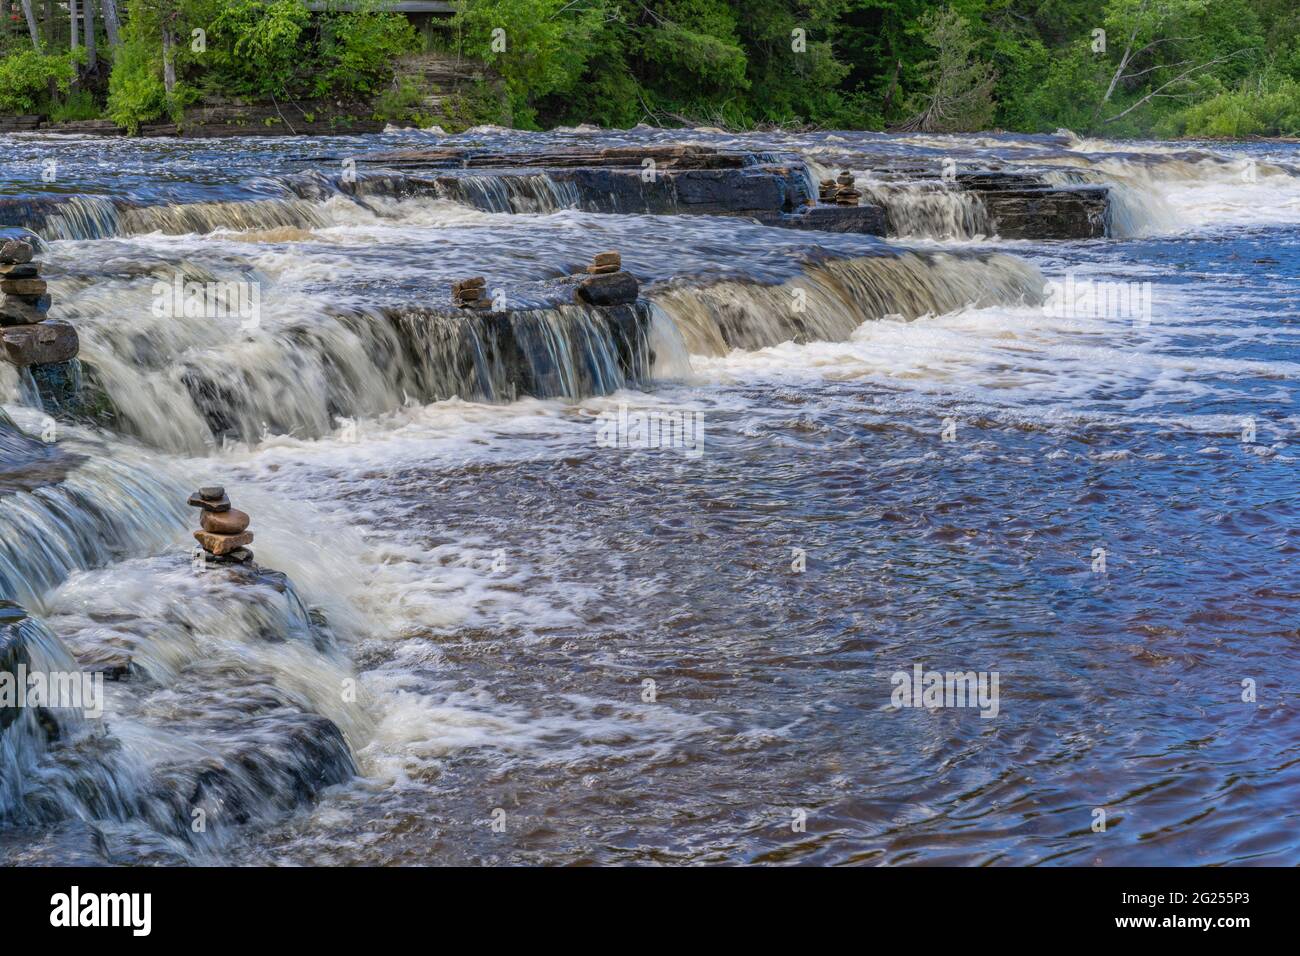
826	190
29	338
605	263
606	283
225	536
845	193
470	293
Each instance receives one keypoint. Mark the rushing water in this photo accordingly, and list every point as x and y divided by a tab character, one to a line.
475	591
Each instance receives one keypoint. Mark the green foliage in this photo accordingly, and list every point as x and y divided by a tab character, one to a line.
25	78
357	51
77	105
472	106
135	88
253	46
1200	67
1268	108
539	47
958	92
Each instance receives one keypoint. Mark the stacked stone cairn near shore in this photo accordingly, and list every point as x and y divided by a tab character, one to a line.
224	536
29	337
471	293
607	283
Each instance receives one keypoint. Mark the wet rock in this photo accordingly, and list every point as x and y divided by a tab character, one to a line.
24	270
212	492
43	343
197	500
232	521
60	386
24	310
22	286
598	270
222	544
464	285
862	220
618	288
469	293
16	251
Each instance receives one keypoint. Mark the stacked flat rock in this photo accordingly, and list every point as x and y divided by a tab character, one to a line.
605	263
845	193
470	293
29	337
224	536
826	190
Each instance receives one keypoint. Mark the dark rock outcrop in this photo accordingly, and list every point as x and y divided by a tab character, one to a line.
1025	206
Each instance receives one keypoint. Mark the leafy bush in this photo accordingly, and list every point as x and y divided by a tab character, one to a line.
254	46
358	49
1267	109
25	78
135	88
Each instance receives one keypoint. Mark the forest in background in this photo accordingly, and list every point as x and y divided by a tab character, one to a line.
1116	68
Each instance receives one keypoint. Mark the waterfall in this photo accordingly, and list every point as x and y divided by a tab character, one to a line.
833	297
231	713
929	209
102	508
533	193
196	385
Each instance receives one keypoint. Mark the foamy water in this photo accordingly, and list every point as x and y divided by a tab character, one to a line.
481	591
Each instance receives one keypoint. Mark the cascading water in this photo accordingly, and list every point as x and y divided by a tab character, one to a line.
474	586
833	298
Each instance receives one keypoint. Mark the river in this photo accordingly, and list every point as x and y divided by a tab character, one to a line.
501	642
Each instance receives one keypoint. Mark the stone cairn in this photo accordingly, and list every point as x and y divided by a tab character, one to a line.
29	338
470	293
224	536
605	282
845	193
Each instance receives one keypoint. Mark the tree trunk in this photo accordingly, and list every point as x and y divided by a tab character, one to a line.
31	24
49	23
90	35
169	60
112	24
72	24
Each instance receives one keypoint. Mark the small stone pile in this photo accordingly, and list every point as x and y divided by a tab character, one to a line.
826	190
225	536
469	293
606	283
845	193
605	263
29	338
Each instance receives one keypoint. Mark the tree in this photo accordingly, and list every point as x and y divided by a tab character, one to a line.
960	96
1145	24
31	24
91	61
112	23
